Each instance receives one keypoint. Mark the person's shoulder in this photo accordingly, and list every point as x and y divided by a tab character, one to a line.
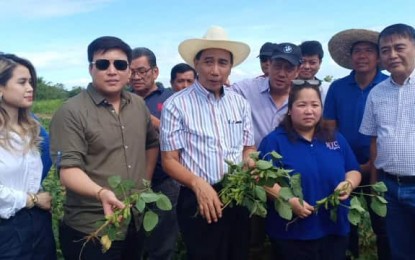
249	84
76	103
341	81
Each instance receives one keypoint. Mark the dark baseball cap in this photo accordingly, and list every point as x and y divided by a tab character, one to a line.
267	49
289	52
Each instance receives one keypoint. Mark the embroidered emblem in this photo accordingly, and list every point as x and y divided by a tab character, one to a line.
287	49
333	145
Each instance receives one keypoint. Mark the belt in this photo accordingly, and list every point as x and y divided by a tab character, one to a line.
404	179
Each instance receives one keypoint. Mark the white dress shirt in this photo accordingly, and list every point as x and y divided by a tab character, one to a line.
20	173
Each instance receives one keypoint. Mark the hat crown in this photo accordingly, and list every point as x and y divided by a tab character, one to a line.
288	51
216	33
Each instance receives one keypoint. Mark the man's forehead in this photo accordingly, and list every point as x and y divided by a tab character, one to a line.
213	52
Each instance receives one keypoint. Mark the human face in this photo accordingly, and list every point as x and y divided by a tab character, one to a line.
397	55
18	91
281	72
143	76
306	110
265	62
309	67
213	68
183	80
364	57
111	81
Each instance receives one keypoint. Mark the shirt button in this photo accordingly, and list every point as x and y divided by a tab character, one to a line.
129	166
126	147
122	127
311	145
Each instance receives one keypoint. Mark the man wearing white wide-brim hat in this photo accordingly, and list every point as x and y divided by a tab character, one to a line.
356	49
201	127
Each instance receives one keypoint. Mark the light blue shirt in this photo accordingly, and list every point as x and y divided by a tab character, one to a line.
390	115
206	130
266	116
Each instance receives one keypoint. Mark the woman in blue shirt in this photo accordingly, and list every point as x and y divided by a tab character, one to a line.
326	163
25	220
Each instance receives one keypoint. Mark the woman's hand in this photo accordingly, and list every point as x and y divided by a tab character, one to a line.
345	188
44	200
301	210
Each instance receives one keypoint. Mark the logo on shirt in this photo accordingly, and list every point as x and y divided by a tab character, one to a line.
159	106
333	145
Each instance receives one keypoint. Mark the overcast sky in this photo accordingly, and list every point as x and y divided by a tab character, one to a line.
54	34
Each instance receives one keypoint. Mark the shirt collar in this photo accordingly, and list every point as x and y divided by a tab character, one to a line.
264	87
204	92
376	80
98	98
409	80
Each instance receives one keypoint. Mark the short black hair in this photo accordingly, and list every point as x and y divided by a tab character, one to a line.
181	68
143	51
199	54
106	43
399	29
310	48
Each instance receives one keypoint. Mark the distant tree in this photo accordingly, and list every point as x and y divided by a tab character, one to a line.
48	90
74	91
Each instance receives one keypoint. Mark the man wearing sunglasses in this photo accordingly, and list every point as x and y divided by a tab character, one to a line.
161	243
103	131
264	56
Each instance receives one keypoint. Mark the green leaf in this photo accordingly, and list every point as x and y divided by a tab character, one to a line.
355	204
150	220
128	184
261	210
114	181
112	233
263	165
260	193
381	199
276	155
285	193
149	197
254	155
140	205
378	207
163	202
296	185
283	208
354	216
379	187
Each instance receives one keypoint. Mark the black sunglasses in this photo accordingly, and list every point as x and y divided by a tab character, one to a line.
303	82
104	64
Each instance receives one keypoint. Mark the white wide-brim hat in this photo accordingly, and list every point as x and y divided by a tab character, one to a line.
340	45
215	38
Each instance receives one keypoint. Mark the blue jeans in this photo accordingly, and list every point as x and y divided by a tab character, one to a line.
161	242
400	219
27	235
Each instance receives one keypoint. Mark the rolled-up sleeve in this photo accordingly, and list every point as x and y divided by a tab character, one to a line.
67	138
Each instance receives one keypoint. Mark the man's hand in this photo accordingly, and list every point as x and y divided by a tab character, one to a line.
210	206
110	202
155	122
302	211
44	200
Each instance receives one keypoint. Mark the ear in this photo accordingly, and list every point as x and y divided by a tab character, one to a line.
156	72
90	69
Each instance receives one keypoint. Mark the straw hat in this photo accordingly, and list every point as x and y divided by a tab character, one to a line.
214	38
341	44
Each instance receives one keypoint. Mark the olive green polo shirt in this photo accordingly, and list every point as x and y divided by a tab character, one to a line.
87	133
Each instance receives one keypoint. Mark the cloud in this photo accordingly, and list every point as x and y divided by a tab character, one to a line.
48	8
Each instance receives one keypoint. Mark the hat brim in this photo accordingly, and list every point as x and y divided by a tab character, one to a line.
286	57
189	48
340	44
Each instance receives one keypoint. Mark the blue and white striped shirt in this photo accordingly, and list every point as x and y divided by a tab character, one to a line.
390	115
206	130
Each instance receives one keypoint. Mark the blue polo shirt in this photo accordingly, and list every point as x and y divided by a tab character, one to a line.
345	103
322	166
154	102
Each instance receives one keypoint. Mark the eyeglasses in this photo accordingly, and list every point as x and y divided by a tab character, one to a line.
104	64
140	71
302	82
